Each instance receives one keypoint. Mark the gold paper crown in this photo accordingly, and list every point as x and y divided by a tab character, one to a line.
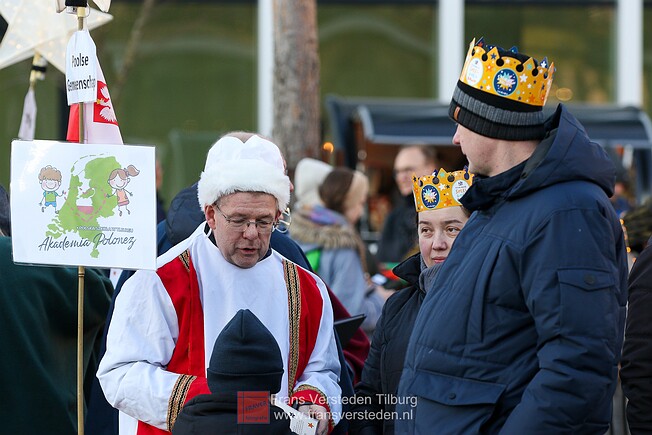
441	189
506	76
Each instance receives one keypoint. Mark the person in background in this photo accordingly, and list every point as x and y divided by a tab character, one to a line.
440	218
398	237
327	235
246	365
39	337
522	330
308	176
166	322
622	197
160	208
636	370
638	226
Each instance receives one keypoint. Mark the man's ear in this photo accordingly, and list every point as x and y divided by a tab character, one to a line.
209	213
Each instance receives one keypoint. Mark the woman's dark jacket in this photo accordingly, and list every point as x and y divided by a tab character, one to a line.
636	371
382	370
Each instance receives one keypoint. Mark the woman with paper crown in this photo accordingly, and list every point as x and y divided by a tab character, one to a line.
440	218
523	330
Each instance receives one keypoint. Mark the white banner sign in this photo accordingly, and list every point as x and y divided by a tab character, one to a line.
83	204
81	68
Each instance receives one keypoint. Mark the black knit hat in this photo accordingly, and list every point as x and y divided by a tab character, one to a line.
246	357
501	93
5	214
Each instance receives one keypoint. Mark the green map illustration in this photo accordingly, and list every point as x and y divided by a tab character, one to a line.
88	180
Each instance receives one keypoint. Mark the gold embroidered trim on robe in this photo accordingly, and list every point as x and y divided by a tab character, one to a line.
185	259
294	312
311	388
178	398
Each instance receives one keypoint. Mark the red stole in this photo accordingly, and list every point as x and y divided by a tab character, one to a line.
180	280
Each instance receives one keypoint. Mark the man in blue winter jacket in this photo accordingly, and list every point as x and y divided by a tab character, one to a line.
521	331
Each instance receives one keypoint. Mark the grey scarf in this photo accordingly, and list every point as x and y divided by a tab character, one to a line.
428	274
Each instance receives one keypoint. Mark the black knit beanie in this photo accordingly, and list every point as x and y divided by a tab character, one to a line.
246	357
501	93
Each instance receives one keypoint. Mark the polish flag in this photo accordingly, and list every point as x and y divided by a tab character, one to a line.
100	122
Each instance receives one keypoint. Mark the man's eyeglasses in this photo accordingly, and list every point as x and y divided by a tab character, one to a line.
239	224
398	171
284	221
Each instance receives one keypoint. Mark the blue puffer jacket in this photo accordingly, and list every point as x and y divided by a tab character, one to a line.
522	330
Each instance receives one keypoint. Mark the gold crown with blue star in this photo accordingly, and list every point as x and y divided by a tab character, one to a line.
441	189
526	82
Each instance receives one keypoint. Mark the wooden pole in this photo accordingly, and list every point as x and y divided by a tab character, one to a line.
81	16
80	350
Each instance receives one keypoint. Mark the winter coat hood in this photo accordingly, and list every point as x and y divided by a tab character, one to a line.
320	227
566	154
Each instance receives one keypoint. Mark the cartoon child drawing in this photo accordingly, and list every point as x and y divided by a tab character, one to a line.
50	179
118	180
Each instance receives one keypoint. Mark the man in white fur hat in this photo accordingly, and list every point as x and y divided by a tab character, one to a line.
165	322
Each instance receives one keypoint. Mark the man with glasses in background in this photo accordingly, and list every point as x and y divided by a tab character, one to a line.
165	322
399	237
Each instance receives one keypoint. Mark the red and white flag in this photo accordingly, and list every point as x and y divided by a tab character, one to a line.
100	122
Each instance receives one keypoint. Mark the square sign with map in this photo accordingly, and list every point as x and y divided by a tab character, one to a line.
83	204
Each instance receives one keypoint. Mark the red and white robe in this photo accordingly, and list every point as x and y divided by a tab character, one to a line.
165	324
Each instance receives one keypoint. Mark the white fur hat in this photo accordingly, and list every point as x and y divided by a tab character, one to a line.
253	166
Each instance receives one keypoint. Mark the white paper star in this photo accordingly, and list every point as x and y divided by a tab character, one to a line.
523	78
35	26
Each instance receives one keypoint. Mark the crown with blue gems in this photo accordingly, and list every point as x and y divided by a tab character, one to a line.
527	82
441	189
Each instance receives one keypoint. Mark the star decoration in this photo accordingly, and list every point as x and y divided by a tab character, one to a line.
447	202
442	186
35	27
544	63
523	77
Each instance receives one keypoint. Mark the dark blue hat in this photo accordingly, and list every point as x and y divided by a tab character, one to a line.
246	357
